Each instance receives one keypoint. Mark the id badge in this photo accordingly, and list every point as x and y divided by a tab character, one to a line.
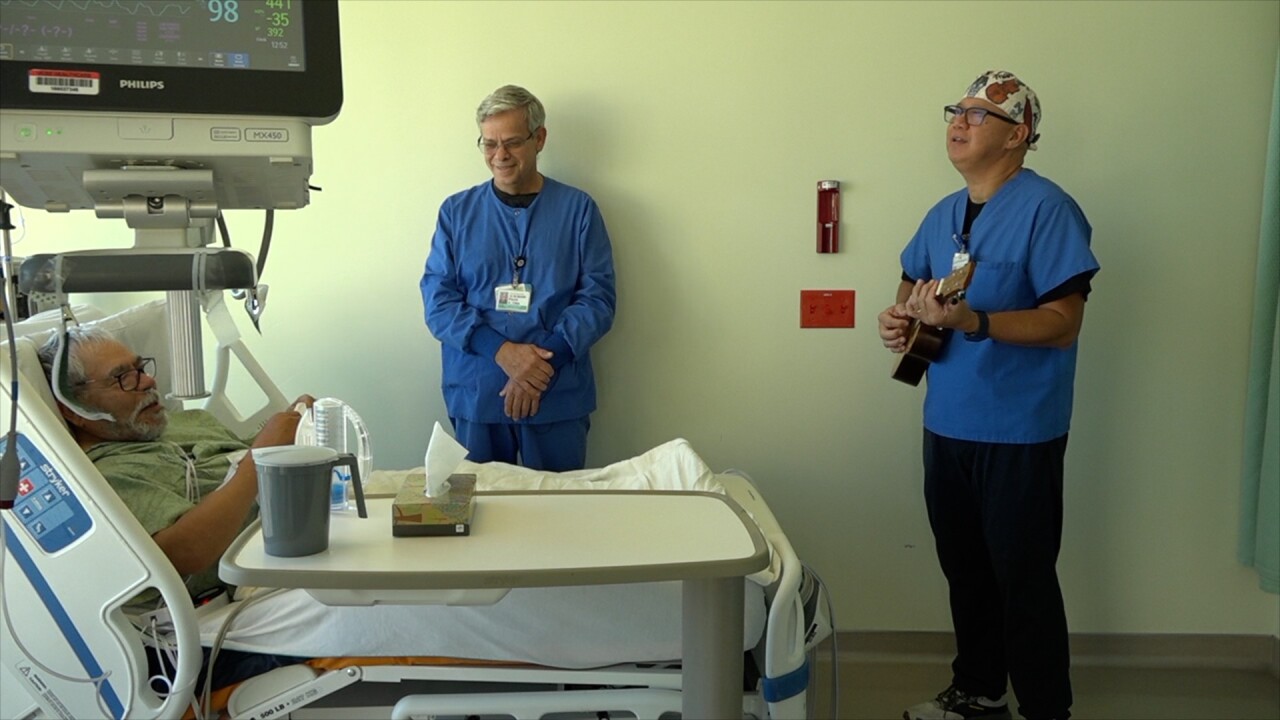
959	260
513	298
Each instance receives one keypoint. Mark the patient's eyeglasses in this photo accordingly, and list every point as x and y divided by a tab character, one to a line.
489	147
972	116
129	380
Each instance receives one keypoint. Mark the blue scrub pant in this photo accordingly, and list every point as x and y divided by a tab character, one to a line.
996	514
554	447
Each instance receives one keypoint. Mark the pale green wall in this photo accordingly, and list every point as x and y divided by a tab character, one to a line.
701	129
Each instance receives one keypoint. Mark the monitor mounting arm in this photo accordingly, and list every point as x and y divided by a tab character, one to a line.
172	212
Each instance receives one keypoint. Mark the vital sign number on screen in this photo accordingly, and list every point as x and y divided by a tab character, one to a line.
275	18
276	13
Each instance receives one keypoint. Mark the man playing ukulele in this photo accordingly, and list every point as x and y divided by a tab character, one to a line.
998	404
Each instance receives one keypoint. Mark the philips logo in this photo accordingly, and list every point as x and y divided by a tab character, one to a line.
142	84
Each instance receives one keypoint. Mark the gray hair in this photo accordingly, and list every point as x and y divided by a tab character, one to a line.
512	97
78	339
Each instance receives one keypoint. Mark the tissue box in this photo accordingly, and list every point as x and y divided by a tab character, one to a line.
414	514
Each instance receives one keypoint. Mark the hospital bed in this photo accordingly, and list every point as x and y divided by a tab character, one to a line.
74	557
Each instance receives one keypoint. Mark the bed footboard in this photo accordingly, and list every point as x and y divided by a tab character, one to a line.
796	623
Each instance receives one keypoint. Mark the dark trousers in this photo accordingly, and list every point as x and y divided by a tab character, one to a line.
231	667
996	514
554	447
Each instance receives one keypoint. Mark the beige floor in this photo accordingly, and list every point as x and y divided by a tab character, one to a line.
881	690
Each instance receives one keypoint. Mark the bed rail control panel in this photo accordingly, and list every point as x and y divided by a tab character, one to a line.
52	515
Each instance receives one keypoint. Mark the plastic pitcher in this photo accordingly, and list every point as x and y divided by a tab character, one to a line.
293	496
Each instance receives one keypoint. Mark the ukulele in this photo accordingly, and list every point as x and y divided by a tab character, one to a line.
924	342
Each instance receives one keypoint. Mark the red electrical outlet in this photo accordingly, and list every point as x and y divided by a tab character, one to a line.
826	308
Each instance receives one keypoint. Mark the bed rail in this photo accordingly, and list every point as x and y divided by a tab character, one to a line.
73	558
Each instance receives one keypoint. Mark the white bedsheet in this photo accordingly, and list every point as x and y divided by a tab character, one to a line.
570	627
670	466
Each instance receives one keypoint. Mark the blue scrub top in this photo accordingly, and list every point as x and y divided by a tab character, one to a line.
569	266
1030	238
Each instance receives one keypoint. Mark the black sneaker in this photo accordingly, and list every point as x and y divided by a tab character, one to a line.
955	704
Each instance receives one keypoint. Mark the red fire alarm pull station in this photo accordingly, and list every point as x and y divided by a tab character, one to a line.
829	216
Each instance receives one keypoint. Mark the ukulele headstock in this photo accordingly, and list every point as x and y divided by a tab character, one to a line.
952	288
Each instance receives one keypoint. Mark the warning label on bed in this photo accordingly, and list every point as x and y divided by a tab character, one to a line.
44	691
76	82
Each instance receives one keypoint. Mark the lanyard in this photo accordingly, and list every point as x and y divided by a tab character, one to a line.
519	263
521	257
961	256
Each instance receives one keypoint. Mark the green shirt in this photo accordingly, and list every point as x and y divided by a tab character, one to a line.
152	478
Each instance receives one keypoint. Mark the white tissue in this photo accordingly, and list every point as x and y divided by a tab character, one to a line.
444	454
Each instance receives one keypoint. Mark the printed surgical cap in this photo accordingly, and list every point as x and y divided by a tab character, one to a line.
1014	97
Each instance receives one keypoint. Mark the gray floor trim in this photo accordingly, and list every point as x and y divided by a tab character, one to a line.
1236	652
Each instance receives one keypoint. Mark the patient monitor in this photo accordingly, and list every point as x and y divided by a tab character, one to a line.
153	110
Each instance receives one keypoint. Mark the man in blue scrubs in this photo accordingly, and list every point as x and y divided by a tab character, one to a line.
999	400
518	286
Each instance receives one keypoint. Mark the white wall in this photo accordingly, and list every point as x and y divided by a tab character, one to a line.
701	129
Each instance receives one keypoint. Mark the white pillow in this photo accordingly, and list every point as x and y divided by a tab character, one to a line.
143	328
33	379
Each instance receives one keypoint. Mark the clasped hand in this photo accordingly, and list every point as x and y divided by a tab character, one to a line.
528	375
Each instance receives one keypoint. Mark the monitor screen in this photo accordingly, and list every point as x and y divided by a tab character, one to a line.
237	57
227	87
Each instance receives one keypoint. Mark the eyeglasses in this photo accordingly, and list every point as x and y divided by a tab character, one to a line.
489	147
972	116
129	380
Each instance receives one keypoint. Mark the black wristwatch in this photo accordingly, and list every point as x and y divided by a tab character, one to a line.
984	325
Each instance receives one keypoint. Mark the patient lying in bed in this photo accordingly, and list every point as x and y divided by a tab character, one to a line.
181	474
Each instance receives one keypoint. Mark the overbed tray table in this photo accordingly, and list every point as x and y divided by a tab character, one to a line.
539	539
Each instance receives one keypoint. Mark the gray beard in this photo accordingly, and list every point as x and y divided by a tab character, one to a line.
134	429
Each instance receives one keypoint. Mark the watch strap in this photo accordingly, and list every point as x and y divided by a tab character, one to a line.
984	327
